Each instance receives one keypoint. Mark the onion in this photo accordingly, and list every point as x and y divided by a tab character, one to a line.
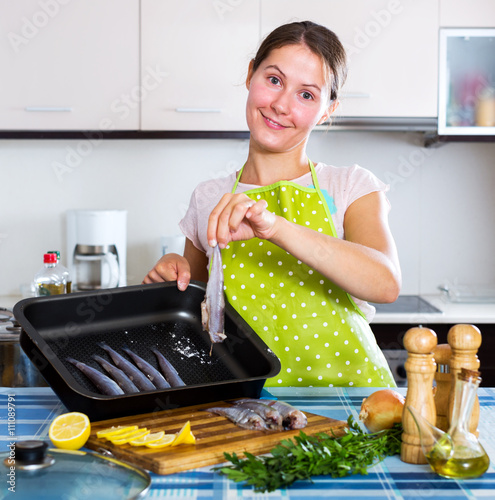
381	410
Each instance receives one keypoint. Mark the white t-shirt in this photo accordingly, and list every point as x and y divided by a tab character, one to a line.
341	186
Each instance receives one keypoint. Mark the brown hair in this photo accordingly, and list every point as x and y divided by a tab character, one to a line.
320	40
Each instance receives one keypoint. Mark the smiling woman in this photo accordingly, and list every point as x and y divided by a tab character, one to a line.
300	261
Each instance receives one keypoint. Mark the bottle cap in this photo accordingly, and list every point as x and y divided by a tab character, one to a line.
50	258
56	252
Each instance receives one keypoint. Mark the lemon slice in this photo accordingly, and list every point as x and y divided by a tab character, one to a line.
185	435
166	440
113	431
147	438
70	431
125	438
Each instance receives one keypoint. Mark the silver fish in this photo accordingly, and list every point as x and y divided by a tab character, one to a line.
168	370
124	382
150	371
292	417
213	305
243	417
140	380
104	384
270	415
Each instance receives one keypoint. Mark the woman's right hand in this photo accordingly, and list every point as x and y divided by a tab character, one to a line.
170	267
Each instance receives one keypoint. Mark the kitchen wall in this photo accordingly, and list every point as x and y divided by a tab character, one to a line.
443	207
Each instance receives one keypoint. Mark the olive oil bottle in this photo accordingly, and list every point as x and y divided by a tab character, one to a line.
459	454
48	281
456	453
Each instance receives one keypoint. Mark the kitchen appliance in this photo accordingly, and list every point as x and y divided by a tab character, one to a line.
141	317
35	471
389	337
96	248
16	370
409	304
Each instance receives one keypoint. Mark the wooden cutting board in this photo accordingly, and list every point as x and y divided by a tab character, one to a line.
214	436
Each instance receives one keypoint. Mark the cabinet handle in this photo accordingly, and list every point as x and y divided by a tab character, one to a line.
357	95
198	110
47	108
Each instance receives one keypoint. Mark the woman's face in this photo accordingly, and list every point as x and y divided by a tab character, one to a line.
288	96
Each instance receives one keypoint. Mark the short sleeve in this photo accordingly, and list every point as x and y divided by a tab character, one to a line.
189	223
361	182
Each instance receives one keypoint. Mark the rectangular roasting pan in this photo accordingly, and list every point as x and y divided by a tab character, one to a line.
141	317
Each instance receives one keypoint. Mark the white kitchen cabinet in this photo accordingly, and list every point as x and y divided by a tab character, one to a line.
392	47
467	13
69	65
201	51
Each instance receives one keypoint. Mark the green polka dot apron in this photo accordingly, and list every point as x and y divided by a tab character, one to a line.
312	325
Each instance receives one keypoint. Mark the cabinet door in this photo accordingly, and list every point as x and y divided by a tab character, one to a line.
467	13
392	46
200	51
69	65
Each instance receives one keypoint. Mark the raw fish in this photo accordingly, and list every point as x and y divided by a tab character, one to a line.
118	375
104	384
168	370
292	417
150	371
247	419
270	415
140	380
213	305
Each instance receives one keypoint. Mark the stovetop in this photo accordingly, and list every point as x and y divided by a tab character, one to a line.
9	327
407	304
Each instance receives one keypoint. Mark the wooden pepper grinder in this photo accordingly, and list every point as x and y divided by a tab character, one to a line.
464	340
442	354
420	367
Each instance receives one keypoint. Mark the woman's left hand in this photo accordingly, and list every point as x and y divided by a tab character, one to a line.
238	217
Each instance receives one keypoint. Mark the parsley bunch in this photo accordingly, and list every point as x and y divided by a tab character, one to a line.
306	456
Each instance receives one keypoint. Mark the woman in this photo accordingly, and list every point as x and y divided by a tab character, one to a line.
301	261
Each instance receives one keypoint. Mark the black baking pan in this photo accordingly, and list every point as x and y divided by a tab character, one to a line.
141	317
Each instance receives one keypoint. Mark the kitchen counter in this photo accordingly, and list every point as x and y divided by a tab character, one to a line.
451	312
392	479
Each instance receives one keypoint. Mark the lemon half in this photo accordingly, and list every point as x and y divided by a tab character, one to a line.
70	431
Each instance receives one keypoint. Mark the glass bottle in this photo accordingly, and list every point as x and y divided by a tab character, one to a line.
456	453
47	280
63	271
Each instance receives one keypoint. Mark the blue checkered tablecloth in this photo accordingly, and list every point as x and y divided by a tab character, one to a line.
391	479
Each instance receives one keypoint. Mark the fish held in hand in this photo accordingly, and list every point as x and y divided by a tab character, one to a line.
103	383
169	372
213	305
157	379
242	417
124	382
140	380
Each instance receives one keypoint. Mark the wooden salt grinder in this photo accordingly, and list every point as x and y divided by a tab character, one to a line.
442	354
420	367
464	340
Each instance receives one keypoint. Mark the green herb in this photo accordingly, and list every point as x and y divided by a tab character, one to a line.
306	456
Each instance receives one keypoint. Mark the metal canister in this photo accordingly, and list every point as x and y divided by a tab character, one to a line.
16	369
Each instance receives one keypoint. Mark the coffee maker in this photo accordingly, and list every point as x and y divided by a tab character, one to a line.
96	248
